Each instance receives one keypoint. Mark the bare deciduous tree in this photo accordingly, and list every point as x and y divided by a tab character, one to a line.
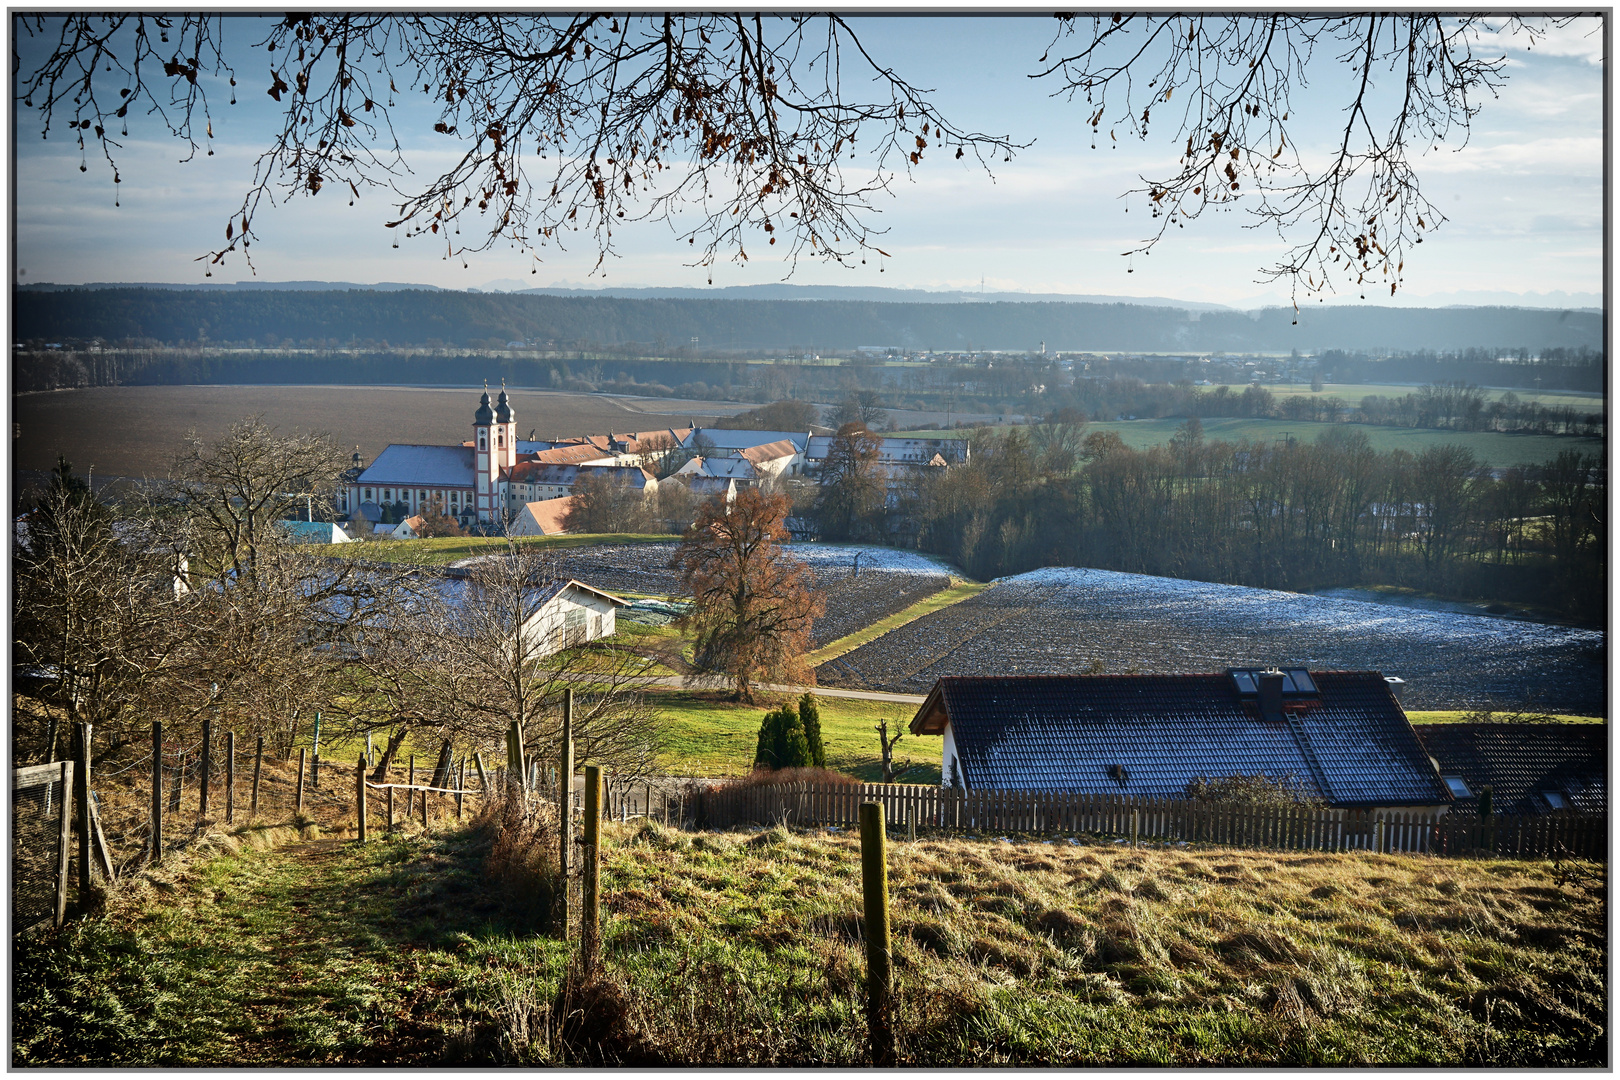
1228	83
557	123
752	604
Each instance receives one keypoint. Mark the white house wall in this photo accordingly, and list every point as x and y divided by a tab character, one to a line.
546	628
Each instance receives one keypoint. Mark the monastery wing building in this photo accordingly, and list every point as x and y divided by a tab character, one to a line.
488	482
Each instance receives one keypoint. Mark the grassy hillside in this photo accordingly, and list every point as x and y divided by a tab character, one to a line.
745	948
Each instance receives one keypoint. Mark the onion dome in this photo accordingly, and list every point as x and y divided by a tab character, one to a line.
483	416
503	409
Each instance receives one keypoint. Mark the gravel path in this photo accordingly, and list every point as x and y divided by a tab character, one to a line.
1066	620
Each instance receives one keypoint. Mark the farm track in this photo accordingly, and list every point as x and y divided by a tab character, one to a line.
1065	621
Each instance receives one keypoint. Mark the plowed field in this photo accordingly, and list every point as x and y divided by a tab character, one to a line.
1065	621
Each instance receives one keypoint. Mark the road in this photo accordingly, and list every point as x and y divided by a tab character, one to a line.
676	682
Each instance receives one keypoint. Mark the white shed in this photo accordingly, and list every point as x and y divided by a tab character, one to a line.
569	613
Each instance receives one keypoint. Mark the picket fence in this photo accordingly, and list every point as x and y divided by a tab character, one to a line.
1283	828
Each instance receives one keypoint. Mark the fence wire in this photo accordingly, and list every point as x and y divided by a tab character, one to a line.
36	828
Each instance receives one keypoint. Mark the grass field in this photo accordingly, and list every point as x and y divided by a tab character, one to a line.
1352	393
443	550
746	948
136	430
1493	448
1458	716
708	736
955	594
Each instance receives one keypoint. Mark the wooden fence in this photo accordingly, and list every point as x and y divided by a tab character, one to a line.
1284	828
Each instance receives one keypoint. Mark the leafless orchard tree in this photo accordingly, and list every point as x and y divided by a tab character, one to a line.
490	668
1226	86
561	123
236	489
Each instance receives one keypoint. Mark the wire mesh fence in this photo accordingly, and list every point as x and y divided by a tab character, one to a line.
41	810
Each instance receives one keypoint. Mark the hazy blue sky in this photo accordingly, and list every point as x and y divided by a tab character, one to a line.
1524	198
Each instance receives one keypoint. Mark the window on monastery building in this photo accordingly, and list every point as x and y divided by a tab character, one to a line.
482	440
368	494
500	439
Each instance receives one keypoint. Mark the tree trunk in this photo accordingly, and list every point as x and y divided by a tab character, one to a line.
395	741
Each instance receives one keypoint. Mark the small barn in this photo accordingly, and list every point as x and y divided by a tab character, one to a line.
1338	735
559	615
1530	768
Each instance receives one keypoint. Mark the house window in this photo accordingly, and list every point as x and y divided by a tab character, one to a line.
1459	789
1555	800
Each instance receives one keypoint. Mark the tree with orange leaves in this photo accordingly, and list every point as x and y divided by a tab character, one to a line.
752	603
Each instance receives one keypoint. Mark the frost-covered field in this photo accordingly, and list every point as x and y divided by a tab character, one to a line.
857	593
1065	620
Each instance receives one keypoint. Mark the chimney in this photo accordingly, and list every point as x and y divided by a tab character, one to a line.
1271	694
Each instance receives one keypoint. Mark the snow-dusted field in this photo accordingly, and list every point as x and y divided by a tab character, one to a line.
1066	620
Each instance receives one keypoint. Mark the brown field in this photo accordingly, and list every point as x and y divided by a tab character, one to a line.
134	430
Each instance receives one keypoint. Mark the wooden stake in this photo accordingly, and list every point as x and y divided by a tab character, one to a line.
879	972
301	755
565	809
590	928
81	797
390	809
360	797
64	843
207	761
157	791
410	795
258	767
461	784
230	777
483	774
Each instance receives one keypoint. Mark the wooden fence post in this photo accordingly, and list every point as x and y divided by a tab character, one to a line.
565	808
590	928
410	792
425	810
390	808
81	796
157	792
64	843
483	775
230	777
1134	824
207	763
461	784
258	767
360	796
875	902
300	804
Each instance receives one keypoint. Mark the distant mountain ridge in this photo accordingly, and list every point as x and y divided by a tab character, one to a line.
870	293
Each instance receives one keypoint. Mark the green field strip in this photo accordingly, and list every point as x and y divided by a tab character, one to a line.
955	594
442	550
1462	716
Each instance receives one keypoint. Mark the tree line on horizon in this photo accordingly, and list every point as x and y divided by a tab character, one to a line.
1290	515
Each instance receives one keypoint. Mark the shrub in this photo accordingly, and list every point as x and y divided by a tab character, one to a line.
523	858
810	718
782	742
1257	790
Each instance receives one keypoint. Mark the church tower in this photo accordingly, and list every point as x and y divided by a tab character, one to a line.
494	450
483	460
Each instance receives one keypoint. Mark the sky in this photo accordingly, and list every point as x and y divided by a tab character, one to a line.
1523	199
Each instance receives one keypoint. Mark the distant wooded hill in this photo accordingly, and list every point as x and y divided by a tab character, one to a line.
421	318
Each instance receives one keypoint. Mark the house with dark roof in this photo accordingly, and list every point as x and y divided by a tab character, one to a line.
1530	768
1339	735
